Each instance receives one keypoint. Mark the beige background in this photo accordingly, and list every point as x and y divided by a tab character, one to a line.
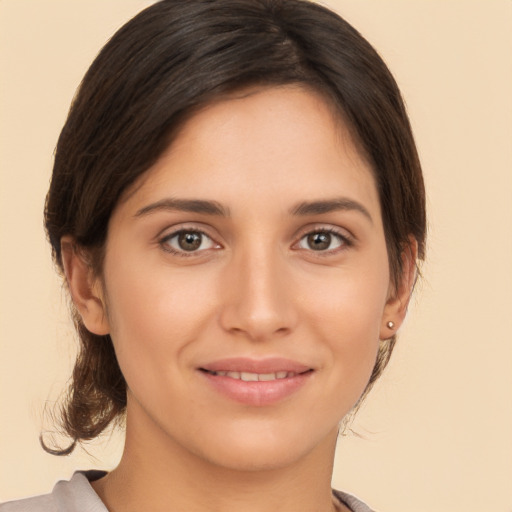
438	428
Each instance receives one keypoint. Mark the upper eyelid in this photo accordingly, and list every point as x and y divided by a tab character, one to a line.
172	234
346	241
171	231
323	229
164	242
329	228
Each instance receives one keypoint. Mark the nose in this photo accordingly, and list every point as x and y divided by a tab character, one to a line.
258	296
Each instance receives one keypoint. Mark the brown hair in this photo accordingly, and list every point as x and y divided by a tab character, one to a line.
157	70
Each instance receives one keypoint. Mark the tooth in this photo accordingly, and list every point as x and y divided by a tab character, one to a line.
221	373
249	377
266	376
281	375
233	375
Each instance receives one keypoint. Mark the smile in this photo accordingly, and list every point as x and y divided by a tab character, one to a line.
253	377
256	383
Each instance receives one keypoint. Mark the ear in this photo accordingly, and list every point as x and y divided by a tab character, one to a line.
85	288
399	295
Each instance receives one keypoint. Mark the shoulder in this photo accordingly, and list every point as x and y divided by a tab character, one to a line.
353	503
75	495
44	503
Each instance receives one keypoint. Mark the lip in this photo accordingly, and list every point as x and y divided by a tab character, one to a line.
268	365
256	393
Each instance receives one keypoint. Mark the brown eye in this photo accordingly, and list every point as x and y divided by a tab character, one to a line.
321	241
189	241
182	242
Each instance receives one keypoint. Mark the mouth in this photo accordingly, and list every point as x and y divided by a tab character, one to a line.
256	382
255	377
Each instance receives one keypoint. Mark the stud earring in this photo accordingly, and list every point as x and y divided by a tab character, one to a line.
390	324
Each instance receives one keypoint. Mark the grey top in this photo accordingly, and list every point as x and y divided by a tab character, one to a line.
77	495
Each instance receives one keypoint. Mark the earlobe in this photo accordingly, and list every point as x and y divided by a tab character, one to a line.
398	301
85	288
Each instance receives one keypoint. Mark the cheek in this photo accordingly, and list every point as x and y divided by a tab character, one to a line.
153	314
346	313
349	300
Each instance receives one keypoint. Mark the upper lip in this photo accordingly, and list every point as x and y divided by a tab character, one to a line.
268	365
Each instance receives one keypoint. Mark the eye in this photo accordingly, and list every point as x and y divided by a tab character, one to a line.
323	241
187	241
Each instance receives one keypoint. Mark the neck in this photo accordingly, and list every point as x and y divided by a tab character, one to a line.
157	474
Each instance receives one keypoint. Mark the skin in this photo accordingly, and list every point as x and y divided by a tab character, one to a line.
255	288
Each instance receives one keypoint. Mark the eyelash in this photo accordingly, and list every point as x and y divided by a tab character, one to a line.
345	241
165	242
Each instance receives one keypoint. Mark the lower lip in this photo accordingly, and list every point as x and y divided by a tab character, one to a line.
257	393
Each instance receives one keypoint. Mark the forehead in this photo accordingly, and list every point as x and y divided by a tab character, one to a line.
276	142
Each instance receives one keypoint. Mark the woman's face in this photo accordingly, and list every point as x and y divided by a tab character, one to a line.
247	283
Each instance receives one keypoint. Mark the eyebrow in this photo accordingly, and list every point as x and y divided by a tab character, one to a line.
329	205
185	205
215	208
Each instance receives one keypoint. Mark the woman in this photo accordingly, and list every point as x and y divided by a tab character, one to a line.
238	208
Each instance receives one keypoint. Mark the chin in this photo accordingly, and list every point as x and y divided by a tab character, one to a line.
254	459
263	449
